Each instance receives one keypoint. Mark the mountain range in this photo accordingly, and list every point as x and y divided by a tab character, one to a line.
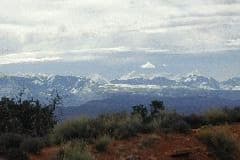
97	94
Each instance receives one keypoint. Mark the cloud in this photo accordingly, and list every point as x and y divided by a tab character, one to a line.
233	42
148	65
41	57
95	27
26	58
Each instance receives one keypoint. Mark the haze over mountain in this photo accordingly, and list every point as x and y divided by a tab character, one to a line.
101	95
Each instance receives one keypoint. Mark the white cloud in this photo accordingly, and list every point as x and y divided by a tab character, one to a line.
40	57
115	26
233	42
26	58
148	65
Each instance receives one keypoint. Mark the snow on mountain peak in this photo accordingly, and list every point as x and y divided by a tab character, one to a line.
142	75
79	89
97	78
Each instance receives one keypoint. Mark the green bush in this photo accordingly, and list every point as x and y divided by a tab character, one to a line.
221	143
102	143
32	145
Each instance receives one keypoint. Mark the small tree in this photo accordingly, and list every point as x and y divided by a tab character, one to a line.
140	110
56	102
156	107
26	117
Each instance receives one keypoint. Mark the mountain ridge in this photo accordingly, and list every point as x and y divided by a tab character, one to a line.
77	90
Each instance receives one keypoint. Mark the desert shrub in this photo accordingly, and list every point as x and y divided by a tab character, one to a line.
47	140
108	123
222	115
221	143
16	154
171	122
26	117
77	155
140	110
9	146
148	141
156	107
74	129
102	143
181	126
216	116
128	127
75	151
9	140
151	126
233	114
32	145
195	121
166	122
117	125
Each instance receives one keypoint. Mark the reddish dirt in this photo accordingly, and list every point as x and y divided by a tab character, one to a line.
46	154
161	148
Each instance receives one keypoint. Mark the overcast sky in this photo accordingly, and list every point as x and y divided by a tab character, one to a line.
117	34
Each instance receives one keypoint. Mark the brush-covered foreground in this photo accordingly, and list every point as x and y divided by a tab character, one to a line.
148	132
158	146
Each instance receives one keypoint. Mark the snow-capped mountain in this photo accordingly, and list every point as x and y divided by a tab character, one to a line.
77	90
231	84
161	81
198	81
191	81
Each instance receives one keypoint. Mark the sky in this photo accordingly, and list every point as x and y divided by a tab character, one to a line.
117	37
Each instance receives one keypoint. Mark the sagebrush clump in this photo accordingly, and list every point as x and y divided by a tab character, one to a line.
102	143
75	151
221	143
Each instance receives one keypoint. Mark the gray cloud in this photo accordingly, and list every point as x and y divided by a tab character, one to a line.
103	26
